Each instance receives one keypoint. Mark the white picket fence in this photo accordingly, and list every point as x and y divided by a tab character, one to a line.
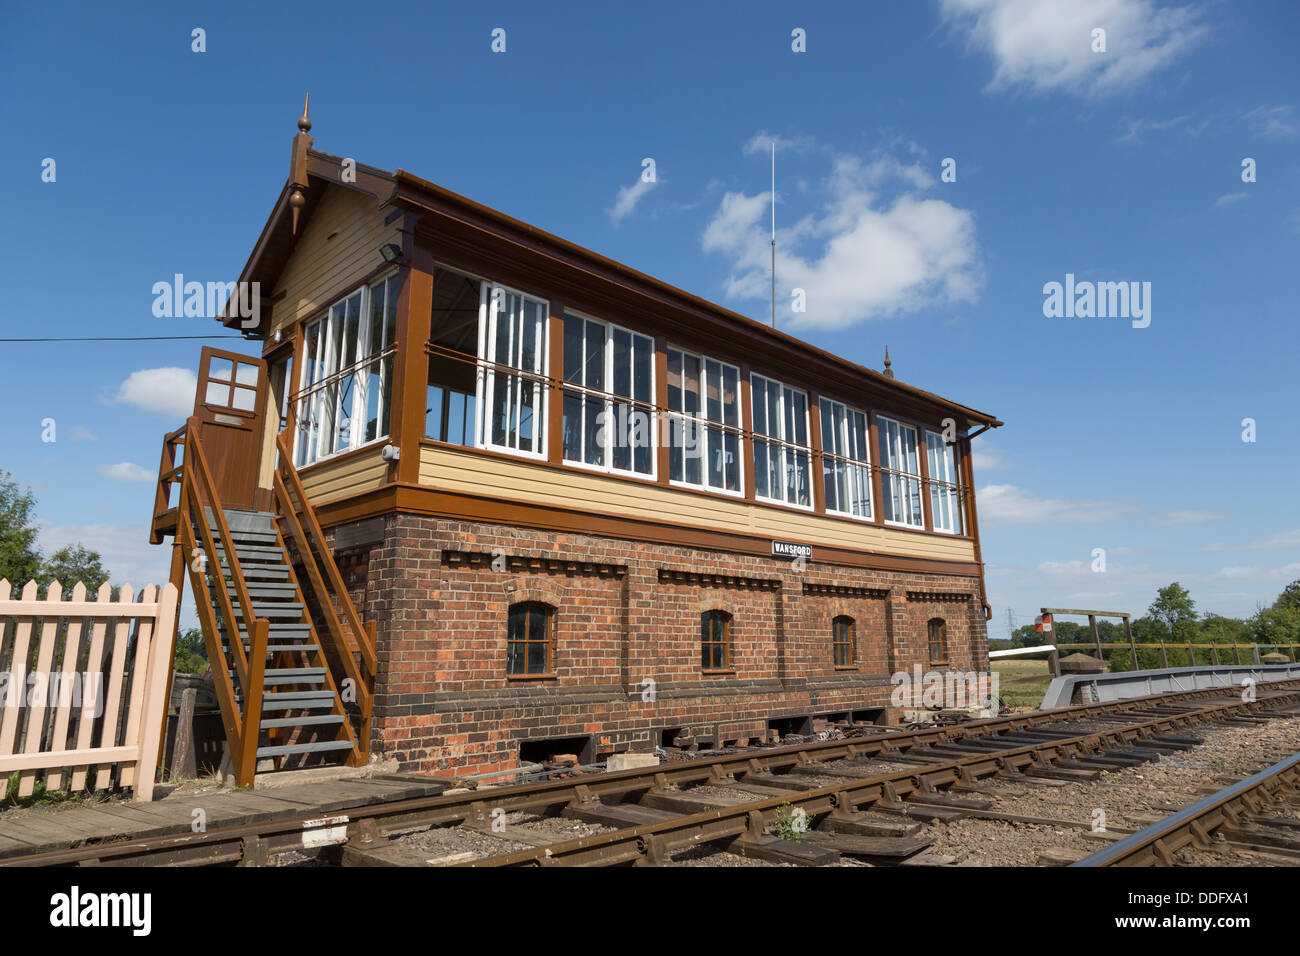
84	696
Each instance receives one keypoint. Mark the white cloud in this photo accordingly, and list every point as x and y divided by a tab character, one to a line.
1227	199
83	434
1046	45
1011	505
1286	572
1280	539
125	550
761	142
861	256
1138	126
985	457
127	471
167	391
1274	122
628	197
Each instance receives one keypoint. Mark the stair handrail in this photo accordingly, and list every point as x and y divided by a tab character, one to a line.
248	667
361	636
167	474
231	718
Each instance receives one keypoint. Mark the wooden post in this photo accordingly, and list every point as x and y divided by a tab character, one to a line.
1164	657
184	766
1096	638
1128	632
1214	651
1236	651
1054	663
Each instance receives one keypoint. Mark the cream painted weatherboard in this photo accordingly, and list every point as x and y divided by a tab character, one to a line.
468	472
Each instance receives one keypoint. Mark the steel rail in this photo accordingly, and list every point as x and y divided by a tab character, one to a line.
476	806
748	820
1193	825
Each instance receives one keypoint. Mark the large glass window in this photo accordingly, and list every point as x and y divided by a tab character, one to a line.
703	422
782	454
451	404
513	339
608	420
846	459
529	639
347	374
900	473
944	509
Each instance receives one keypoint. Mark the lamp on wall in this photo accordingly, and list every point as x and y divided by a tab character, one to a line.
391	252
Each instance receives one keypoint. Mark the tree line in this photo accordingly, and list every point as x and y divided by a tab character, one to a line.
1172	618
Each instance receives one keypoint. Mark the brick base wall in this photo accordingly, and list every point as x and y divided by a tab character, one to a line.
626	625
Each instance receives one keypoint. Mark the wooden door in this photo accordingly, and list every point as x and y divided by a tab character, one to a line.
230	406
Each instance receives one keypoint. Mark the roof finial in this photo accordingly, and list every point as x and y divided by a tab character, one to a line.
889	372
304	122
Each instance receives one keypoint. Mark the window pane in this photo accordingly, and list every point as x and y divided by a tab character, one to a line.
573	349
246	374
220	369
217	394
245	399
572	427
537	658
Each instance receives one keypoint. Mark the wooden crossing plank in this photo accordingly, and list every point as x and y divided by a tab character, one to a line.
877	848
618	815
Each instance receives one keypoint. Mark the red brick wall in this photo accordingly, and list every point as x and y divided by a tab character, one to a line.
627	614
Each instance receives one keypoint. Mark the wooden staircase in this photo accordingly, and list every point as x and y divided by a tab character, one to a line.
295	686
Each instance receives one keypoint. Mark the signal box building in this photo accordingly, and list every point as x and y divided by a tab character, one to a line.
561	506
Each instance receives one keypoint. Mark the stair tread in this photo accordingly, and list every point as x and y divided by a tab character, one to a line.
306	720
324	746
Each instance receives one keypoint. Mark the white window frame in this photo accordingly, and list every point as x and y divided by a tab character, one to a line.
784	444
887	472
851	463
944	487
308	395
701	422
488	373
611	398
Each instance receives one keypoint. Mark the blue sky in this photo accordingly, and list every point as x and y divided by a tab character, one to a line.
1123	165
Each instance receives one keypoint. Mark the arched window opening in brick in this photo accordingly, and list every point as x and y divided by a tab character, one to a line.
938	633
715	640
530	639
844	639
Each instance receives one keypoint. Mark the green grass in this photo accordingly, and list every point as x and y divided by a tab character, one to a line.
41	796
1028	693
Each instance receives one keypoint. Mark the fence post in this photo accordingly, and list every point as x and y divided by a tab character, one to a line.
1128	632
1164	657
157	693
1054	663
1096	638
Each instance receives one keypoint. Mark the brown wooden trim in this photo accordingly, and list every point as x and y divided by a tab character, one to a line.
429	501
553	401
663	461
410	361
815	476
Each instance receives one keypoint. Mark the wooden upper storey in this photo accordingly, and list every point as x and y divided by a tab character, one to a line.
485	350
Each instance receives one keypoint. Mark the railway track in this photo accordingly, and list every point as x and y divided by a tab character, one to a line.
653	814
1260	814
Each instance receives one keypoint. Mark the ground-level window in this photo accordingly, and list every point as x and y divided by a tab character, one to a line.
529	639
938	636
842	636
715	640
900	474
944	511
